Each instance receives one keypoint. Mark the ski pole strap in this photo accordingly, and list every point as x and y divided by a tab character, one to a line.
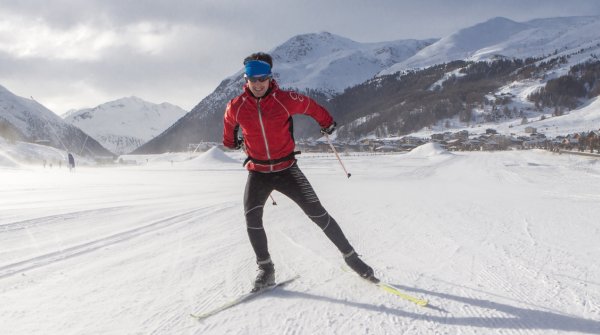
271	161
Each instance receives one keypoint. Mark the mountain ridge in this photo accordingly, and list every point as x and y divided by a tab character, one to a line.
326	77
138	122
508	38
27	120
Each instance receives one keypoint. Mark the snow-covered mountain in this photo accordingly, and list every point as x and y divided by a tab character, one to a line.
321	62
501	37
332	63
27	120
329	67
125	124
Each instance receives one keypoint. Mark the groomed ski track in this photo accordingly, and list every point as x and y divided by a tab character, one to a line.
499	243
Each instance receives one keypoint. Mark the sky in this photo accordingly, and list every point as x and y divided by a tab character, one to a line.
73	54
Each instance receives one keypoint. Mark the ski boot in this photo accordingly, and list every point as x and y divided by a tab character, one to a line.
356	264
265	276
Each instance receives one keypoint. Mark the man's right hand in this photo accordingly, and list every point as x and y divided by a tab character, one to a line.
239	143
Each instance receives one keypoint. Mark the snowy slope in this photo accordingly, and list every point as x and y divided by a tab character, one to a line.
125	124
25	114
323	62
579	120
30	121
503	37
331	63
7	161
582	119
24	155
500	243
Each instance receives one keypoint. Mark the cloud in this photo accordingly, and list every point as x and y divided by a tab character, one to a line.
74	54
156	60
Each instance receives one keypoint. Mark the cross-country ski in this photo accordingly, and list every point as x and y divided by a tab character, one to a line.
242	298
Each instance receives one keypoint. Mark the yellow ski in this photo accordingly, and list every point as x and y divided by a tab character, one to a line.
393	290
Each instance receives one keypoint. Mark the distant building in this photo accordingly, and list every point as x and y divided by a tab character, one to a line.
530	130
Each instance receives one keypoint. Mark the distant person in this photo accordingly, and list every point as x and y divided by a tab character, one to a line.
71	162
264	114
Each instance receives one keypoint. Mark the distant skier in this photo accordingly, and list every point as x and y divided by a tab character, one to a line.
71	162
264	113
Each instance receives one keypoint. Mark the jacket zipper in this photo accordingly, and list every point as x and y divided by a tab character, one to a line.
262	128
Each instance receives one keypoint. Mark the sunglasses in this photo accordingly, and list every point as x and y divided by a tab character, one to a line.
261	79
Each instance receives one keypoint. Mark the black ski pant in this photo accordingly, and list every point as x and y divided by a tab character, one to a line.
292	183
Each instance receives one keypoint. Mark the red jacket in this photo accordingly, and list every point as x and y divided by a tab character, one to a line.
266	125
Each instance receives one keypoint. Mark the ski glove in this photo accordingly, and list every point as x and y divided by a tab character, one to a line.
329	130
239	143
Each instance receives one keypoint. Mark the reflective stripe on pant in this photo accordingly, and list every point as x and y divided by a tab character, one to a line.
292	183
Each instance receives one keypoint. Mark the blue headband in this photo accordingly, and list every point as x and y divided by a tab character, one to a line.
257	68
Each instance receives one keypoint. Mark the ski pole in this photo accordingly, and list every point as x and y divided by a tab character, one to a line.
336	155
274	203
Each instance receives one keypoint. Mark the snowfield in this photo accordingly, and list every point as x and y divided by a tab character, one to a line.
499	243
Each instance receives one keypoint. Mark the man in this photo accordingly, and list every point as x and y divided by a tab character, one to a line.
264	114
71	162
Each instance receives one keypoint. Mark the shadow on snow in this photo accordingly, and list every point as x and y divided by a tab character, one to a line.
521	318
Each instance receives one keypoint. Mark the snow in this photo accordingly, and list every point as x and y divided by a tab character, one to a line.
214	155
438	84
28	155
502	242
428	150
503	37
123	125
7	161
331	63
19	111
582	119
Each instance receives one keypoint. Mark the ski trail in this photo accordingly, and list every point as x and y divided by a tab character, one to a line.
222	290
48	220
52	257
528	232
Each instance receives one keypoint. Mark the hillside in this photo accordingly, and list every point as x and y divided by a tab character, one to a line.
457	80
322	65
26	120
502	37
125	124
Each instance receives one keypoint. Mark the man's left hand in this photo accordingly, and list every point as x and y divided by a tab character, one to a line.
329	130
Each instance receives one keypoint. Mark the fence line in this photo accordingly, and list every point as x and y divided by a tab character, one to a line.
579	153
347	154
